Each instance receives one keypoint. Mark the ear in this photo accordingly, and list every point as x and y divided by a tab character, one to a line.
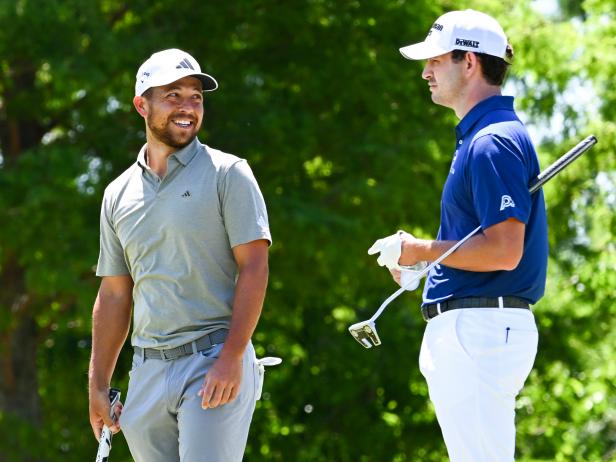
471	61
141	104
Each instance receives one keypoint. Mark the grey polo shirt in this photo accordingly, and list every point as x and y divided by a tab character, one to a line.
174	236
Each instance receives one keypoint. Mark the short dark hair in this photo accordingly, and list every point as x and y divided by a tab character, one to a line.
493	68
148	93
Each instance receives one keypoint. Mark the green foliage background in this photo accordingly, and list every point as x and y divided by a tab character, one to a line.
347	147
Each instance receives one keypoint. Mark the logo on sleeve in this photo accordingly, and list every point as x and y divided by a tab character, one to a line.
506	201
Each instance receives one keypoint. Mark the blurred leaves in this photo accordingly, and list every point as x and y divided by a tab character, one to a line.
347	146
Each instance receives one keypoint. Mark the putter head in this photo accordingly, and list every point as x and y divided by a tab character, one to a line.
365	333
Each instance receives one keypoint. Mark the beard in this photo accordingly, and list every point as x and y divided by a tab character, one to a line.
163	131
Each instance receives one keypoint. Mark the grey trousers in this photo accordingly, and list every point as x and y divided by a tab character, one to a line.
163	421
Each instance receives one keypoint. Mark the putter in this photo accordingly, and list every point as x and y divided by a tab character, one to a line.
104	443
365	331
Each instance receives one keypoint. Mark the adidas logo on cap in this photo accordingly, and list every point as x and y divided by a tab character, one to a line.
167	66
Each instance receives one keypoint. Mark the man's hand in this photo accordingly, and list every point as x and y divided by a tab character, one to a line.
110	324
222	382
404	276
396	274
100	410
398	249
390	249
410	246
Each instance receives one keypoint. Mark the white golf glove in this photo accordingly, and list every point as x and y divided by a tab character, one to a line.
410	272
390	249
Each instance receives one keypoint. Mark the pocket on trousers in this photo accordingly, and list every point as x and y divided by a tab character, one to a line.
517	336
441	346
138	361
464	341
520	351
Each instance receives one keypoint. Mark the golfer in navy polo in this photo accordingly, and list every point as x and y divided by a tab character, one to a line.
481	338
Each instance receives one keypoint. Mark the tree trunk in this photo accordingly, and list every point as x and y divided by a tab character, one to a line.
18	381
19	398
20	130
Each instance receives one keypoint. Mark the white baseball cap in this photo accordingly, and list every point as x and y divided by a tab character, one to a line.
167	66
467	30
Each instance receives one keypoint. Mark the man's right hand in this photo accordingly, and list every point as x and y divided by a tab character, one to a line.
403	276
100	410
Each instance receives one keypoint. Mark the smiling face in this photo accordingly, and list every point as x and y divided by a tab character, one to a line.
174	112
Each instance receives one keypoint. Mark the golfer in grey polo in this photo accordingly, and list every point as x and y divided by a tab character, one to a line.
183	245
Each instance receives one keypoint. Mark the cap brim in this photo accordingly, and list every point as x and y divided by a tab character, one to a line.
209	82
422	50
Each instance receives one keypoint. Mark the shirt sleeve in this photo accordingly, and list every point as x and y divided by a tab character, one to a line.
499	181
243	206
111	259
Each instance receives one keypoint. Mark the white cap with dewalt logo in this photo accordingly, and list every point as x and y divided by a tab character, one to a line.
167	66
467	30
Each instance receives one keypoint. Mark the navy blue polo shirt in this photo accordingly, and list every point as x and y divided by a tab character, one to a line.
488	183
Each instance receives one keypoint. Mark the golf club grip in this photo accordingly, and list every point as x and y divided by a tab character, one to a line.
104	445
562	162
543	177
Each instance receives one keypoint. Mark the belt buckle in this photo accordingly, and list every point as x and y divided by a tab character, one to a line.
164	356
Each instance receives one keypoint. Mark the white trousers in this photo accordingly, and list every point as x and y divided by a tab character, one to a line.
475	361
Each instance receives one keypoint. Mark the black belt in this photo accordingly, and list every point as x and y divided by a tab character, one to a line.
203	343
434	309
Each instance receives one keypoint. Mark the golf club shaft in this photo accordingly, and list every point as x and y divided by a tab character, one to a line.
543	177
562	162
423	272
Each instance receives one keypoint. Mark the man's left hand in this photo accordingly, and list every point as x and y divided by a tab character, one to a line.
222	382
409	246
389	250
